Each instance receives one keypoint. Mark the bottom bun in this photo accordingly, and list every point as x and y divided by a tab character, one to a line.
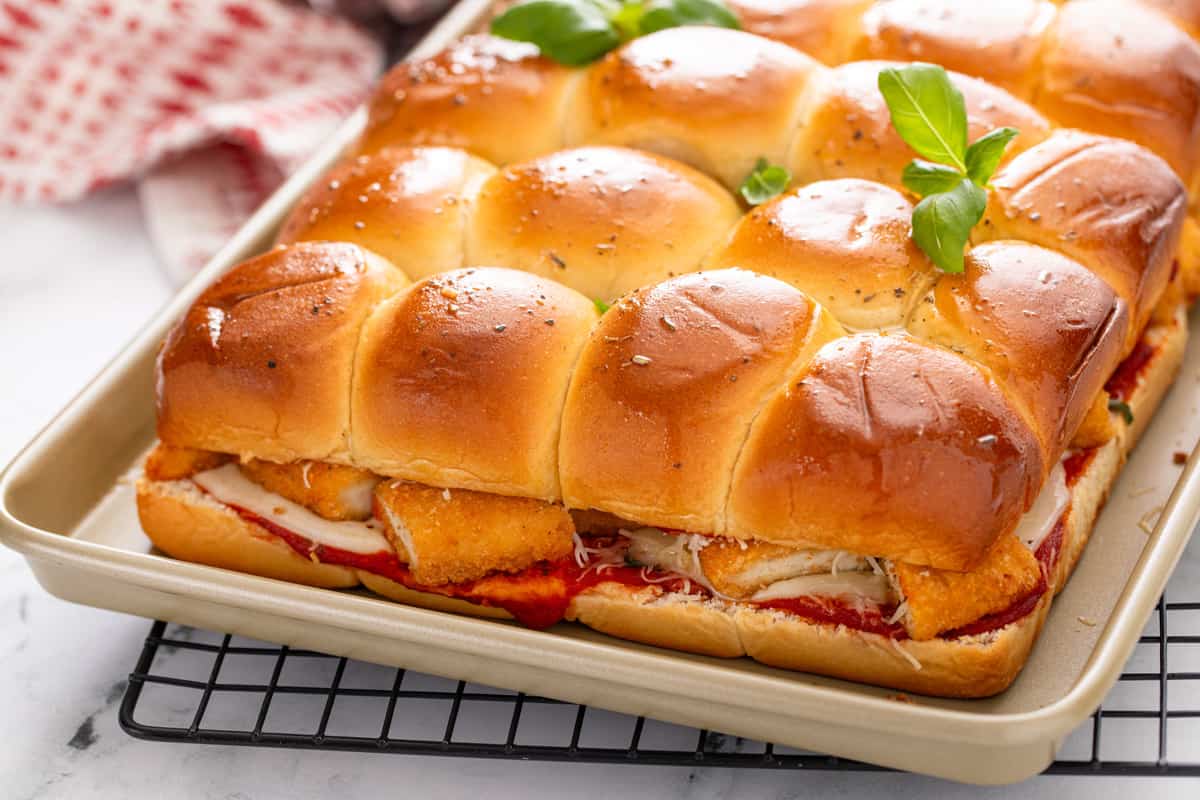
678	621
392	590
969	666
1157	376
187	524
1090	493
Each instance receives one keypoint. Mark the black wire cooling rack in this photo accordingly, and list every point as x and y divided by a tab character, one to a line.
199	687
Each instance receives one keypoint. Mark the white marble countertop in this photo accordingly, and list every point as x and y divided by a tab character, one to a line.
75	285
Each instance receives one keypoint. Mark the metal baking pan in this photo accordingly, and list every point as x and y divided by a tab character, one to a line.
66	504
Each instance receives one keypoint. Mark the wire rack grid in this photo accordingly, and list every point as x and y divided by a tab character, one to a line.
198	687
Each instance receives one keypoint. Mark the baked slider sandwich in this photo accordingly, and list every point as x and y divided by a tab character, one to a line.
668	353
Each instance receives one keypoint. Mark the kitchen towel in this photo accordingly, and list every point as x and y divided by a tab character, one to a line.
207	103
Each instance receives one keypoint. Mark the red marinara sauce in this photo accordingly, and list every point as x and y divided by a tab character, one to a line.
1075	464
538	596
1129	372
875	620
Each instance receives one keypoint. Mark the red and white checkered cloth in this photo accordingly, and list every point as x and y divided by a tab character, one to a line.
208	103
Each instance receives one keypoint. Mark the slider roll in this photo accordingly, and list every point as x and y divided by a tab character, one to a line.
715	98
1185	13
887	446
1050	330
1107	203
260	364
496	98
460	381
409	205
846	130
667	386
602	220
1142	78
998	41
846	243
1123	68
823	29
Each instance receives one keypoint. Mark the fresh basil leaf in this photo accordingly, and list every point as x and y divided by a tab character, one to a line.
1121	407
927	111
627	17
601	306
571	32
942	223
764	182
924	178
662	14
983	156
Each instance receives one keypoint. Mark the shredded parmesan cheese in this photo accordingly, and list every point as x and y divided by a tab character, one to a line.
1149	520
581	550
607	558
675	554
916	665
645	575
304	474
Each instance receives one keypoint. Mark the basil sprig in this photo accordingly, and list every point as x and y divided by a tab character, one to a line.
764	182
951	176
577	32
1122	408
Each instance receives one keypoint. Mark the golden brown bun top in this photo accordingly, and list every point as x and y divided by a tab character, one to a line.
820	28
1185	13
1109	204
666	388
848	132
1120	69
715	98
460	381
847	243
260	364
887	446
495	97
602	220
408	205
1050	330
996	41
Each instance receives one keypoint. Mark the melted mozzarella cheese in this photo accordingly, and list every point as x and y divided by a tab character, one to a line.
675	553
1049	506
230	486
679	554
652	547
359	497
852	585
